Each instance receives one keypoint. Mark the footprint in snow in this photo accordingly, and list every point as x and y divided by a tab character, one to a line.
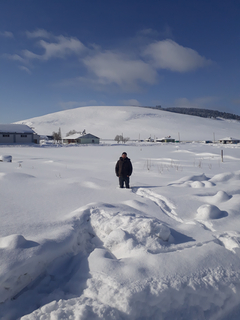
164	204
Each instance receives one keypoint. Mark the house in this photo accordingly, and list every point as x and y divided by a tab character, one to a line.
81	138
149	139
165	139
229	140
17	134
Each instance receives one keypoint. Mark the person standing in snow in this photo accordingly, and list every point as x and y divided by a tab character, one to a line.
123	170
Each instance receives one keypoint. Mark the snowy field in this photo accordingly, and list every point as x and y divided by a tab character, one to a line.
75	246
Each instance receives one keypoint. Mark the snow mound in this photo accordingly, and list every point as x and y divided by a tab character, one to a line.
226	176
221	196
196	181
16	241
202	296
208	184
134	285
162	231
197	184
201	177
123	233
208	212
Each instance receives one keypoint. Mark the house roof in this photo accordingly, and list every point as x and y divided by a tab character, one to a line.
165	138
229	139
79	135
73	136
15	128
89	135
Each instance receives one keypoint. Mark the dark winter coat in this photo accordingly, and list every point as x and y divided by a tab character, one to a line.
123	167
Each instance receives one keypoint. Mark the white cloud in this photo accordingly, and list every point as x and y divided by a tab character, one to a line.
167	54
110	67
129	67
25	69
62	47
58	47
6	34
39	33
131	102
14	57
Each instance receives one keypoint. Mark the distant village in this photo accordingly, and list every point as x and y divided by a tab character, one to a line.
23	134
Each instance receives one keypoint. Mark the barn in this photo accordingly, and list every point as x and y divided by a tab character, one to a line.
17	134
82	139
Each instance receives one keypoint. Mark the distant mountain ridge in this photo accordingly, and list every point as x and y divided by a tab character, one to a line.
204	113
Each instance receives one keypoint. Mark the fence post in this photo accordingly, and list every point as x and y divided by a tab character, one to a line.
222	155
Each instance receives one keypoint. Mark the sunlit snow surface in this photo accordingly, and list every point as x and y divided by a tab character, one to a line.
75	246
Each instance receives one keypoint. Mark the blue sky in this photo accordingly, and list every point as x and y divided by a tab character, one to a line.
62	54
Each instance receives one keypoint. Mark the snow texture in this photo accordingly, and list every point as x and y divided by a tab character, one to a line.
75	246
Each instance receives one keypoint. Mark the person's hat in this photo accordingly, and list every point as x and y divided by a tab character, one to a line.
124	153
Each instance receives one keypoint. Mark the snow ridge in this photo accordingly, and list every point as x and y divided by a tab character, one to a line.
116	239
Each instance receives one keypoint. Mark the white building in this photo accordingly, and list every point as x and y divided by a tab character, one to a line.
81	139
229	140
17	134
165	139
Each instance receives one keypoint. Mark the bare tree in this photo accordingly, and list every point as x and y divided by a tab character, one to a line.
125	139
118	138
57	136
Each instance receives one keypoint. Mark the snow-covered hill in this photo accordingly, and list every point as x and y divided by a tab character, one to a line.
134	122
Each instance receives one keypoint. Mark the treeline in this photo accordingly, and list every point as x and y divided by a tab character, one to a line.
204	113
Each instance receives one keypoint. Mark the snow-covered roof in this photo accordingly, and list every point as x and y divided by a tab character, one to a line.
79	135
15	128
165	138
229	139
89	135
73	136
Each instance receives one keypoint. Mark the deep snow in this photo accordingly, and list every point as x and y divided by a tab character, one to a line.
75	246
